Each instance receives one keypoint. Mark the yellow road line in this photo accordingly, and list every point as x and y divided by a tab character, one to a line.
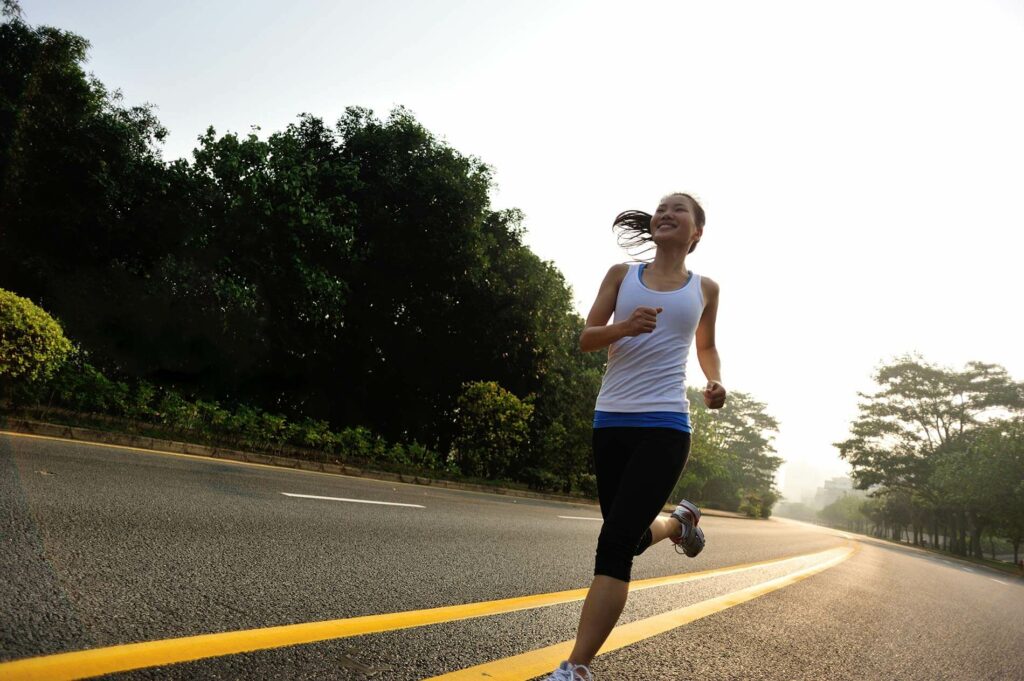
86	663
543	660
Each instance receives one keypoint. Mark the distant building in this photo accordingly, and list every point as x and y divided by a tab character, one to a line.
833	490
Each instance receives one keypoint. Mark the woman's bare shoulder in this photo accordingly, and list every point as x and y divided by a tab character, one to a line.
616	273
709	286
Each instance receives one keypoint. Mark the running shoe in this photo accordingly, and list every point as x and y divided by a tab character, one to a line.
691	539
567	671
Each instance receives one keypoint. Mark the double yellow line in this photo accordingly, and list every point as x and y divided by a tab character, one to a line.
89	663
543	660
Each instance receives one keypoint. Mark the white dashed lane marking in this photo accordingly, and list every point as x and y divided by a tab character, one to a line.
578	517
353	501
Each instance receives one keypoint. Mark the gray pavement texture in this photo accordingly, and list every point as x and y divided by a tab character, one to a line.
103	546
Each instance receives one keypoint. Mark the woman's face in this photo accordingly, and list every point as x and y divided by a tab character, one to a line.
674	222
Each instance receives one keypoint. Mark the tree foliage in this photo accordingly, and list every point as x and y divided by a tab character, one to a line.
935	445
918	409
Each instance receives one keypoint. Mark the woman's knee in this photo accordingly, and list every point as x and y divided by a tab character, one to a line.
616	547
645	542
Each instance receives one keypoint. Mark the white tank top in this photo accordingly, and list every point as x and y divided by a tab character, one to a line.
648	372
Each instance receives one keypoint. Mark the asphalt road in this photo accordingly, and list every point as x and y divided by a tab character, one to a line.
102	547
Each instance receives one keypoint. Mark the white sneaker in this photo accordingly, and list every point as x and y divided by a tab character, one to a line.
567	671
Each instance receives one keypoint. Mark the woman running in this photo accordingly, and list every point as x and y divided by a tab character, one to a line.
641	421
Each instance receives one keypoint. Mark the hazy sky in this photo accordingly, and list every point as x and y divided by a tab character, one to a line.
861	163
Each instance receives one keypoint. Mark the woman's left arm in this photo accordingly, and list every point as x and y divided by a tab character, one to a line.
707	353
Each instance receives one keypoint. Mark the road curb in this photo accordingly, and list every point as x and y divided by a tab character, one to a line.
80	434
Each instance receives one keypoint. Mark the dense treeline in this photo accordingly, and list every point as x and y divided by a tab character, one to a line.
354	275
942	452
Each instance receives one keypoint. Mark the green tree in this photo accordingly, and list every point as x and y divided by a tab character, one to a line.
260	274
981	475
918	412
77	171
919	408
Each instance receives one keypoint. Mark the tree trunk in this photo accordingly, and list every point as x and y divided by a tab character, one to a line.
976	529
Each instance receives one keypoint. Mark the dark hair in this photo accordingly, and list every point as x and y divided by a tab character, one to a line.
633	227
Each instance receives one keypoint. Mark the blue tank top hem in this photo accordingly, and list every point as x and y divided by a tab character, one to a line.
644	419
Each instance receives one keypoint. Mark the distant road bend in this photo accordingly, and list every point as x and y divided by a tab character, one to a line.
163	566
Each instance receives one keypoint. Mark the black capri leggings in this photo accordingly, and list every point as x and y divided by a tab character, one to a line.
636	471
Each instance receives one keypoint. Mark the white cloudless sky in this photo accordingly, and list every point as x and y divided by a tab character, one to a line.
861	163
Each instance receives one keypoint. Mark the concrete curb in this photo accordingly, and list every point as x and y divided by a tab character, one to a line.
76	433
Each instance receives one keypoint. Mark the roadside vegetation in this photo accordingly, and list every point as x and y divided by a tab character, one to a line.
942	453
338	290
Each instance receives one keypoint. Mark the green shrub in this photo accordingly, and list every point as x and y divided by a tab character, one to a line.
79	386
355	443
310	433
141	403
32	343
750	505
176	412
331	442
542	480
493	428
585	484
271	429
215	420
423	457
768	501
395	454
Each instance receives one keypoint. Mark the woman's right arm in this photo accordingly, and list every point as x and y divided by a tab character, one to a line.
598	333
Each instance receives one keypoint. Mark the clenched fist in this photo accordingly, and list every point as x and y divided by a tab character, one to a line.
714	395
643	320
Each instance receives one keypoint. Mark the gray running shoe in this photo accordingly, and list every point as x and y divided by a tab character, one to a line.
691	539
567	671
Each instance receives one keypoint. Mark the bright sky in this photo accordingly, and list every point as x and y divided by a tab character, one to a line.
861	163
